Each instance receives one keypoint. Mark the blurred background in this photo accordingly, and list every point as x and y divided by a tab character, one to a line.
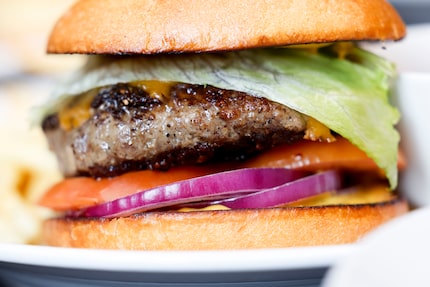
27	75
413	11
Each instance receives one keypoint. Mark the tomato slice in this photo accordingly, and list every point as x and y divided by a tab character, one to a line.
312	155
80	192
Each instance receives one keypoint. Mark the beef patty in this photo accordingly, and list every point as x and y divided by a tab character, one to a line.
130	129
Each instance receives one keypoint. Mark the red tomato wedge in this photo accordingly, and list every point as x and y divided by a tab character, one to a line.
80	192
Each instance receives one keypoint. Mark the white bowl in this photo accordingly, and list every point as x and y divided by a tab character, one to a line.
396	255
411	53
412	95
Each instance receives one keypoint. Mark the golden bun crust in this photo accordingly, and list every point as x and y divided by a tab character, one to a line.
216	230
148	26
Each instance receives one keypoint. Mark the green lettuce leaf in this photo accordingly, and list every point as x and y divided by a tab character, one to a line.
350	97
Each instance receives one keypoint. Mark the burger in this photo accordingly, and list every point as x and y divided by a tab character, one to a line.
223	125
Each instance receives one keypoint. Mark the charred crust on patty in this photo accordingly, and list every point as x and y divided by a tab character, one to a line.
120	98
51	122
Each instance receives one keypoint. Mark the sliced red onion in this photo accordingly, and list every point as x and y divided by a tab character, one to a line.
244	188
211	187
286	193
280	195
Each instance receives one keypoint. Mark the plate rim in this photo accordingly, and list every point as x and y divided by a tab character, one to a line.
175	261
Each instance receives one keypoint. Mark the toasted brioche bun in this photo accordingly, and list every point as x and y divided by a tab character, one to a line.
224	229
100	27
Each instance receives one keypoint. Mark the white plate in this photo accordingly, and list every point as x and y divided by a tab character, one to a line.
25	265
173	261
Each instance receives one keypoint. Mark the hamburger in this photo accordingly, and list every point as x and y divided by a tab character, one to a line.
223	125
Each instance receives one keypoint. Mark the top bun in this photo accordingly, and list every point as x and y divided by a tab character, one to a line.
151	26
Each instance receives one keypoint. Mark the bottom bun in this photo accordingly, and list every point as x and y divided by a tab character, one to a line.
224	229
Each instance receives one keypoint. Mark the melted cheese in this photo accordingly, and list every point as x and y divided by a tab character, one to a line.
343	49
206	208
156	89
76	111
316	131
312	47
360	195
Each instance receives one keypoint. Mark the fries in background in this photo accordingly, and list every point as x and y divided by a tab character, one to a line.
27	77
27	168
